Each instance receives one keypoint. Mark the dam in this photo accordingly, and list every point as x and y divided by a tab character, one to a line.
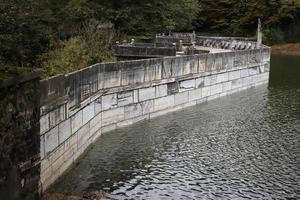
79	107
48	124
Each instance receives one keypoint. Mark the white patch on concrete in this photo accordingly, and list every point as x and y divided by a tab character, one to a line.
76	121
244	72
206	91
109	101
186	85
148	106
195	94
223	77
64	130
181	98
51	140
112	116
88	113
234	75
216	89
161	90
146	93
164	102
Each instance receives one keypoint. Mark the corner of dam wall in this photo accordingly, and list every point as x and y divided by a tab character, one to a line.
77	108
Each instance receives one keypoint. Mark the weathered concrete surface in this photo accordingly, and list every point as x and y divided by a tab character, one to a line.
142	51
77	108
20	138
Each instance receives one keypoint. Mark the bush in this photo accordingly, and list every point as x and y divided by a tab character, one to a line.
72	56
99	41
273	36
94	44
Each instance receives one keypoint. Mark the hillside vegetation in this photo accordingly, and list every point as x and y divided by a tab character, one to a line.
64	35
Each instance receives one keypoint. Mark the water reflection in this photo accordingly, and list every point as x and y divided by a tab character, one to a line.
244	146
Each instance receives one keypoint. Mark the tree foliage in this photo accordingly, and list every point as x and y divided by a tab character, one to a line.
32	30
239	17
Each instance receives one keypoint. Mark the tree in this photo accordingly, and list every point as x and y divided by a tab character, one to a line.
240	17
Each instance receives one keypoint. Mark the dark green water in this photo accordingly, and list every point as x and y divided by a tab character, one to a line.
243	146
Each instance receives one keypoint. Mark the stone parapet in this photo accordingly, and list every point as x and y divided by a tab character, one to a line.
77	108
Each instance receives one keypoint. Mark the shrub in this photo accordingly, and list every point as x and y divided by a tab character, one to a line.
273	36
72	56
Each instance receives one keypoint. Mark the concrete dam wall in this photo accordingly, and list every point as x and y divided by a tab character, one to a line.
77	108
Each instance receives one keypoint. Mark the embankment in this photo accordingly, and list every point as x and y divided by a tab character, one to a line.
292	49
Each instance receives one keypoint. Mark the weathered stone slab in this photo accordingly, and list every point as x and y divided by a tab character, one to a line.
167	68
153	69
95	123
135	96
112	116
133	72
57	115
216	89
125	98
199	82
133	111
226	86
51	140
88	113
83	135
206	91
42	147
161	90
112	76
247	81
237	83
164	102
177	66
109	101
195	94
244	72
76	121
253	71
64	130
181	98
186	85
147	106
98	105
210	80
261	69
202	63
223	77
146	93
234	75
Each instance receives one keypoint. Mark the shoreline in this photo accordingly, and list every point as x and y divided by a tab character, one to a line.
290	49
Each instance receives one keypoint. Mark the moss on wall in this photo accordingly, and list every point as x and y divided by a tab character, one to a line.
19	137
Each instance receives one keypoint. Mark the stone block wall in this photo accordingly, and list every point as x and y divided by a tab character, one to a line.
19	137
78	107
231	43
139	52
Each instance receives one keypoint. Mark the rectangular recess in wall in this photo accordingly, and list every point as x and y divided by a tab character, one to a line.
173	88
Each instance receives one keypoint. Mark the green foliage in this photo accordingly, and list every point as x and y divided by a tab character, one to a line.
273	36
31	29
235	17
92	45
73	55
99	41
23	33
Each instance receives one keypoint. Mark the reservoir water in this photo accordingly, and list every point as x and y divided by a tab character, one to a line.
242	146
